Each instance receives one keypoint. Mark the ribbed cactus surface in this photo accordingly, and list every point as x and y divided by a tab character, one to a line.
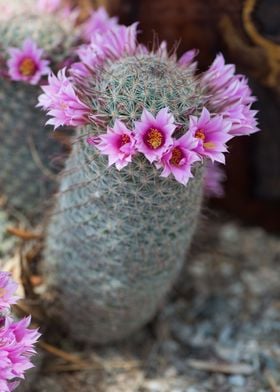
117	240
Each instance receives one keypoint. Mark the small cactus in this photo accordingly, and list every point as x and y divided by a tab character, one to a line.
27	159
119	233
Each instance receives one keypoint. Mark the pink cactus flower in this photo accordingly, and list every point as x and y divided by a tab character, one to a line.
16	339
162	50
99	22
187	60
212	134
92	55
121	40
178	160
26	64
110	45
118	143
16	349
62	102
48	6
230	96
79	70
243	120
219	74
153	135
7	290
213	180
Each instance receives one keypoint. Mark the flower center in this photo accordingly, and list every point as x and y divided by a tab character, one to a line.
209	145
63	105
27	67
154	138
124	139
200	134
177	156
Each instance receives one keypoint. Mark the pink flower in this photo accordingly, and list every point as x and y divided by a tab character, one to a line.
230	96
62	103
212	134
162	50
213	180
187	60
79	70
26	64
110	45
118	143
153	135
218	75
121	41
16	348
7	290
179	158
48	6
243	119
92	55
99	22
16	339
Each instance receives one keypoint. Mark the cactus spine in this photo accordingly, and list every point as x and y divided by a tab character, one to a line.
116	240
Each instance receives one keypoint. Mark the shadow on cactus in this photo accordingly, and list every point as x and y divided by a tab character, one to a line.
36	37
131	192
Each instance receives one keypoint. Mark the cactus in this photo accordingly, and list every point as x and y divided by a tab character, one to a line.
117	240
27	175
119	232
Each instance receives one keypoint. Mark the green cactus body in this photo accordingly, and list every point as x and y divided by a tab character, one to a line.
27	154
117	239
53	34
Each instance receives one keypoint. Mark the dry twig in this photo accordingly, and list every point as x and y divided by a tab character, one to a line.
23	234
272	383
61	354
221	367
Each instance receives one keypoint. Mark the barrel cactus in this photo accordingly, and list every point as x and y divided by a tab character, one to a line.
131	192
37	36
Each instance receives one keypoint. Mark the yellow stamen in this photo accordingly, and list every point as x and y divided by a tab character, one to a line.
176	156
27	67
125	139
154	138
199	134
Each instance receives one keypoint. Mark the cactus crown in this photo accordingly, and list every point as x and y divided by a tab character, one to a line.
150	103
123	88
51	32
48	31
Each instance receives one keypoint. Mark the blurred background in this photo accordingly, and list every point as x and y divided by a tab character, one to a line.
248	34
